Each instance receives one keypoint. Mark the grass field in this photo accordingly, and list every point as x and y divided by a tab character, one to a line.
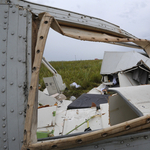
85	73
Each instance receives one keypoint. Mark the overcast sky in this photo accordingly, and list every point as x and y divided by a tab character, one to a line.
131	15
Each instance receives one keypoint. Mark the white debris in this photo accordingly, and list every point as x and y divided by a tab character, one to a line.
74	84
72	98
45	99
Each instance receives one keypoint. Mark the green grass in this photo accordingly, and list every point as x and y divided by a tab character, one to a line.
85	73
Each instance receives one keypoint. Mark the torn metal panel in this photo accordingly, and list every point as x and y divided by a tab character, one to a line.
52	119
114	62
83	34
120	111
49	66
137	96
87	35
75	20
55	25
128	127
145	45
97	90
110	61
64	121
105	114
45	99
125	80
76	117
10	117
46	117
45	23
125	44
141	75
54	84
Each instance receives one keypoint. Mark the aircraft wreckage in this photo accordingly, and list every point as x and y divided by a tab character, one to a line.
95	120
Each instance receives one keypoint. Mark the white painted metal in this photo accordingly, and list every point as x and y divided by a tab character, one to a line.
51	85
119	110
94	91
125	80
45	91
46	117
60	116
75	117
98	90
137	96
66	120
47	122
75	18
49	66
46	99
54	84
64	104
114	62
110	61
60	119
104	108
59	81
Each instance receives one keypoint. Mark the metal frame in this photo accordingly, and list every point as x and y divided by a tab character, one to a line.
136	141
83	21
3	76
31	121
113	131
15	73
65	17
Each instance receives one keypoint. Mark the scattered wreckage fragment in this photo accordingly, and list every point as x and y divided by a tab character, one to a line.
63	117
24	28
118	72
125	68
89	111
